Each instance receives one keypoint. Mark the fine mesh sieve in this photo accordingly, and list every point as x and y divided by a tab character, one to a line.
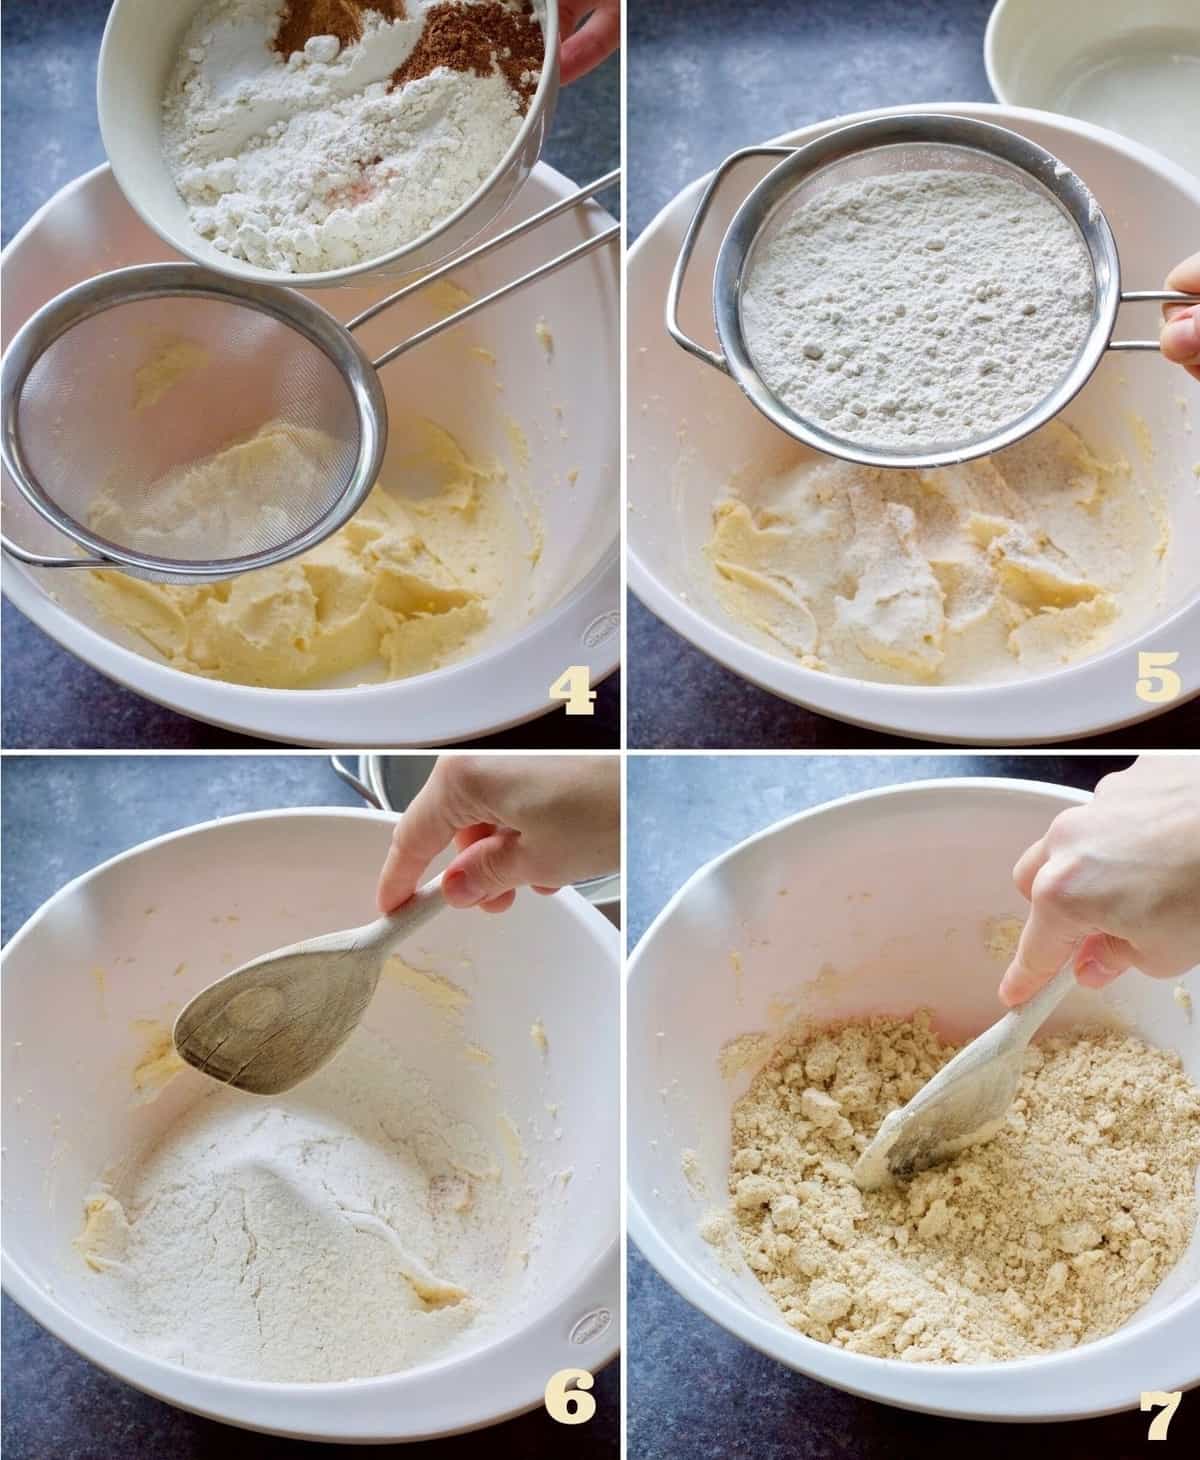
890	146
119	393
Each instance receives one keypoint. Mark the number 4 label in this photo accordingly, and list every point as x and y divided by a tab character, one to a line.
573	687
1157	684
1169	1403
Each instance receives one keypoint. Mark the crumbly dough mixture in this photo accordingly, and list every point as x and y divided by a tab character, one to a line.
407	586
1000	568
348	1229
1051	1235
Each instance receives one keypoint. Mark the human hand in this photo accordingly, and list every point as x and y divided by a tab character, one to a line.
1180	338
1115	883
593	42
538	821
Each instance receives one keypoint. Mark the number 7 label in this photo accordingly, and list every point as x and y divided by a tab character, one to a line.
1153	1399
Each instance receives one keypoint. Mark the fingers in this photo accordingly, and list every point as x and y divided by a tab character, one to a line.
595	41
486	873
1185	276
420	834
1048	939
1180	337
1030	864
1101	958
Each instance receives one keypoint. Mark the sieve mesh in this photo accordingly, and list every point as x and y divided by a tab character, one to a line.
188	428
762	220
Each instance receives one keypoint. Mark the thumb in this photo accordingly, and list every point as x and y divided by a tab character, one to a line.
1180	337
1101	958
488	867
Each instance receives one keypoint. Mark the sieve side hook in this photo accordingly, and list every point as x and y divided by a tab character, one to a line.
1143	296
675	289
594	241
43	560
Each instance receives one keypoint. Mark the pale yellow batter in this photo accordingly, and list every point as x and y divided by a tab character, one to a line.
1008	566
433	555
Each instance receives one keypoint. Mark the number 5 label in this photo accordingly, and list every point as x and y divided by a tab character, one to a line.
567	1397
573	687
1158	684
1153	1399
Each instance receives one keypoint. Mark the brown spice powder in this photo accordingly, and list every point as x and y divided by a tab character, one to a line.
477	38
302	19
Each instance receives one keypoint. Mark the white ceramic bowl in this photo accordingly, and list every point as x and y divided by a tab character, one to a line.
691	429
68	1109
1031	50
137	55
566	407
889	895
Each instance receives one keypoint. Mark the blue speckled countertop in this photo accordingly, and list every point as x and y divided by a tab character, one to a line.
62	816
52	699
695	1391
705	79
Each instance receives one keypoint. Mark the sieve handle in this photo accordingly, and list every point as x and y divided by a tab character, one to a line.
597	240
40	560
344	773
1143	296
563	205
674	328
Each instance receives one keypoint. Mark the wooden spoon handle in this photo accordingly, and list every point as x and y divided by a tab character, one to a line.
1028	1018
385	933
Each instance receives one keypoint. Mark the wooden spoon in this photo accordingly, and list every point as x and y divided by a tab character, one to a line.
966	1101
276	1020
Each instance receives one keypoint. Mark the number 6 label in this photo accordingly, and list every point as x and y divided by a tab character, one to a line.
1158	684
567	1397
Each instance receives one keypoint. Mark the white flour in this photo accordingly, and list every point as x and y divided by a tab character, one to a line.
348	1229
918	308
311	163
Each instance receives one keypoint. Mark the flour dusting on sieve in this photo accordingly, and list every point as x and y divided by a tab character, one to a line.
919	309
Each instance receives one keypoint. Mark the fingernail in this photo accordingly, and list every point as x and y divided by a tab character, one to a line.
1180	338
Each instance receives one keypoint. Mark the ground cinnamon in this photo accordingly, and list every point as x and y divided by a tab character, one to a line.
477	38
302	19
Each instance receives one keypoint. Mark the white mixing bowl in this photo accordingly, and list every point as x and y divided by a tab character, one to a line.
137	55
1032	50
890	897
542	416
691	430
212	896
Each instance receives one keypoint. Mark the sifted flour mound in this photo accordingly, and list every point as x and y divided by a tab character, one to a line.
349	1230
918	309
1051	1235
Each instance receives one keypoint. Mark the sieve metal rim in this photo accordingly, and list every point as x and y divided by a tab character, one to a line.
139	282
796	165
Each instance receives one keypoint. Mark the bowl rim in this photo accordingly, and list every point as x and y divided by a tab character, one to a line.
382	1409
1075	701
441	707
1113	1367
109	63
